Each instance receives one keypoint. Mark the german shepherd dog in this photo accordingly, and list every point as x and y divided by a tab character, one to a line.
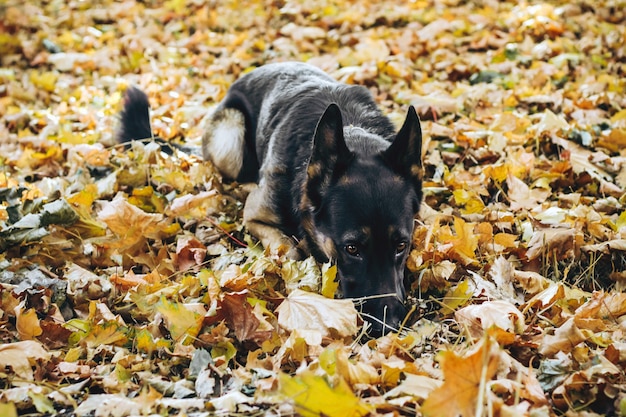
334	179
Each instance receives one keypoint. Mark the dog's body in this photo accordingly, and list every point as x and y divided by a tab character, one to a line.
334	180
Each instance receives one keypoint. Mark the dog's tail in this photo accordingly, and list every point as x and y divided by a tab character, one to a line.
135	117
228	140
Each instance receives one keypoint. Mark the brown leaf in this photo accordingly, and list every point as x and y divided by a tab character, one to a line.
242	319
190	252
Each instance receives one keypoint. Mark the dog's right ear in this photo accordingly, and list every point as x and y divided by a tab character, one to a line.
330	156
404	155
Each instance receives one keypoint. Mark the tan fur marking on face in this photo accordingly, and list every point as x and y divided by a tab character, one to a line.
329	248
314	170
417	171
347	180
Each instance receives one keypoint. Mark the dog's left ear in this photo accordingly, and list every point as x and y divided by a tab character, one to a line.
404	155
329	156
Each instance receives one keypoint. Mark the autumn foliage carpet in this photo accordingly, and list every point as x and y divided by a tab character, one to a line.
128	285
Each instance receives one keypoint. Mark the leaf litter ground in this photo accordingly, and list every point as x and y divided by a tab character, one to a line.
128	285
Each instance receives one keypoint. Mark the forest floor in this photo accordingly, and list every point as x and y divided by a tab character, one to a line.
128	285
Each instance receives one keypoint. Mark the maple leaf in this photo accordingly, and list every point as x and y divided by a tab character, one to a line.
307	311
182	322
27	322
241	317
190	252
20	356
480	317
522	196
313	396
465	377
463	243
417	386
132	224
564	339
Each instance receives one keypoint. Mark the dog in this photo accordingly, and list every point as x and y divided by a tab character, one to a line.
335	180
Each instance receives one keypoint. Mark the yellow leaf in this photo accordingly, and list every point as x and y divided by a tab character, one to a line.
355	372
145	342
621	220
27	323
225	350
107	333
85	197
44	80
464	382
456	297
183	324
505	239
8	410
313	396
615	140
73	354
329	282
328	362
498	173
466	242
469	200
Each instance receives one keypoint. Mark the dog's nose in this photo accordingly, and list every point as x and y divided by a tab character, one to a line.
385	315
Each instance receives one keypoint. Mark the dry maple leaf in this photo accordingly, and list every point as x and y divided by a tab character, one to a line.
564	339
522	196
183	322
465	378
19	356
313	396
306	311
190	252
480	317
132	224
243	319
27	322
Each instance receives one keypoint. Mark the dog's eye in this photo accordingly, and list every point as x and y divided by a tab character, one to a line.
352	250
401	247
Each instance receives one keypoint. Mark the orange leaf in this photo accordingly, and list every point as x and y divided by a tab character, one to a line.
27	323
464	382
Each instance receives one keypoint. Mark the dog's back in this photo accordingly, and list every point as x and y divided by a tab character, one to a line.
282	104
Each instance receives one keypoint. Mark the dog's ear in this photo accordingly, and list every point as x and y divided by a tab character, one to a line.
404	155
329	157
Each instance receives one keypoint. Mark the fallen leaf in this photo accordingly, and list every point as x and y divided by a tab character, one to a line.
314	396
307	311
480	317
465	378
27	323
182	322
564	339
20	356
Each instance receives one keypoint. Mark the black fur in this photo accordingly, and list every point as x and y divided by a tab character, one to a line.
135	117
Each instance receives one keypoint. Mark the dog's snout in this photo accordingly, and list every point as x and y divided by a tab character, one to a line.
385	314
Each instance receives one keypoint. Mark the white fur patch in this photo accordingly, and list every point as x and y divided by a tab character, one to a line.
224	142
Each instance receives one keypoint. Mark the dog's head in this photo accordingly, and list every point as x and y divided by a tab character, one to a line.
358	209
